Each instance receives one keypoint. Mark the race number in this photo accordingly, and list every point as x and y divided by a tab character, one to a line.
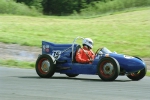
56	54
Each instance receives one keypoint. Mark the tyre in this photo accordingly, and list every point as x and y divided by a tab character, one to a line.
137	75
45	66
72	75
108	69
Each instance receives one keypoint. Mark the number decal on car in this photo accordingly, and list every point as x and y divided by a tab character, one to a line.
56	54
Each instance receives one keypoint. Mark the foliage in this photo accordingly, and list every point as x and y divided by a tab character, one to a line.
68	7
111	6
59	7
11	7
32	3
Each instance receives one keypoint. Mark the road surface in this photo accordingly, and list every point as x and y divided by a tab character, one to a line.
25	84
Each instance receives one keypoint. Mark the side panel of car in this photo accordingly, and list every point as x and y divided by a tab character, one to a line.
76	68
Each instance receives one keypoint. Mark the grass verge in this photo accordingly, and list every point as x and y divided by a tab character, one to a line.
17	63
148	73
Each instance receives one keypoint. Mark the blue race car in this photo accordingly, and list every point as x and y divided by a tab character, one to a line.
60	58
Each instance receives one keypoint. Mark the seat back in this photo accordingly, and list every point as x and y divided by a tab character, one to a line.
74	55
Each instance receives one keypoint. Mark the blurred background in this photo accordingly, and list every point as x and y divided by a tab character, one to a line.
120	25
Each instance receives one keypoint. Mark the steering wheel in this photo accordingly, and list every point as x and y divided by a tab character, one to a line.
96	53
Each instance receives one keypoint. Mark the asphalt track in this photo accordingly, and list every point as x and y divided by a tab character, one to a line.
24	84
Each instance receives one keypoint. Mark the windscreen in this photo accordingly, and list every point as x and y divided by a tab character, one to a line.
105	50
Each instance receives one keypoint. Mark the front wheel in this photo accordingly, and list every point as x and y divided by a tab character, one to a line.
137	75
45	66
108	69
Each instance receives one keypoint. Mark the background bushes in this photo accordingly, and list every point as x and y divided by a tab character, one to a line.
67	7
32	4
11	7
110	6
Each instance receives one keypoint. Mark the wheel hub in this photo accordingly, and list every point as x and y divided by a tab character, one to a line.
45	66
108	68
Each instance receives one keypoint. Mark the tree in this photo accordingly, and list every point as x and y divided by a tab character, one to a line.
59	7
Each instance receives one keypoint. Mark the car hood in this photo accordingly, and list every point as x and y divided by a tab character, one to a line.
128	63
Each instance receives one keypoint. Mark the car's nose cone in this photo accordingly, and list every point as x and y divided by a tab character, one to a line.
133	65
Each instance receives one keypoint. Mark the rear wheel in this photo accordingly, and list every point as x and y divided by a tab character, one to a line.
72	75
108	69
44	66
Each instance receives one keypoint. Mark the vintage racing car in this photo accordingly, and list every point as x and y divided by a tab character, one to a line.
60	58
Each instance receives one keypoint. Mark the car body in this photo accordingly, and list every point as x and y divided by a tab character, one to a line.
60	58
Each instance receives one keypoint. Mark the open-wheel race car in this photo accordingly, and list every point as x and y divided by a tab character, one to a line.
60	58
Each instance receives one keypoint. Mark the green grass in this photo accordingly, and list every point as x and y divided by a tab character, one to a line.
17	63
127	33
148	73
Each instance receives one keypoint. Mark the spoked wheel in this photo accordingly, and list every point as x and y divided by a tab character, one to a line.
137	75
108	69
72	75
44	66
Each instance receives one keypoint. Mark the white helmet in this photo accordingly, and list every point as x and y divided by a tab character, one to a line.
88	42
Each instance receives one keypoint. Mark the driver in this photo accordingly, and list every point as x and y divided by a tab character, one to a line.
85	55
